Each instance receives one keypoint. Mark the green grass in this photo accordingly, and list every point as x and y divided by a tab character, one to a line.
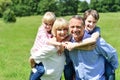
16	40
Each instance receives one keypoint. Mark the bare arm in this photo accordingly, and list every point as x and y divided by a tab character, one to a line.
89	41
58	45
86	44
53	41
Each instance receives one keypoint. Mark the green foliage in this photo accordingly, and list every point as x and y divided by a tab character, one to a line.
105	5
33	5
48	5
9	16
22	10
83	6
4	4
115	8
1	13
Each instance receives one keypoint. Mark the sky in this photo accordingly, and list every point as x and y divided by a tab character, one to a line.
86	0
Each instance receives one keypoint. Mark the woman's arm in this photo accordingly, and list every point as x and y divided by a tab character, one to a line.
58	45
53	42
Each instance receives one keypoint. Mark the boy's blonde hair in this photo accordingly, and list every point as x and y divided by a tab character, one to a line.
49	18
59	23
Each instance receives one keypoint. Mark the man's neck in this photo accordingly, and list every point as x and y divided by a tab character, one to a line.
78	39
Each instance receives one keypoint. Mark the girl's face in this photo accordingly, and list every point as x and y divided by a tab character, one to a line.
61	34
90	23
48	27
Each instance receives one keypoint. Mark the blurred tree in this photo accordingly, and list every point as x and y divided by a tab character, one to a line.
46	5
9	16
83	6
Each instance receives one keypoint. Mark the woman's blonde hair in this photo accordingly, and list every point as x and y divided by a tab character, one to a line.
60	23
49	17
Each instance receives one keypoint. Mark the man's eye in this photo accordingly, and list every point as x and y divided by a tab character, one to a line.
72	26
78	26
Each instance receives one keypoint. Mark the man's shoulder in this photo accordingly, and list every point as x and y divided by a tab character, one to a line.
86	35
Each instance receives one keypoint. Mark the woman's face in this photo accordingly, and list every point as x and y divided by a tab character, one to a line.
61	34
90	23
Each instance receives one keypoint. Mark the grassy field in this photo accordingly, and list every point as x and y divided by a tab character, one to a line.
16	40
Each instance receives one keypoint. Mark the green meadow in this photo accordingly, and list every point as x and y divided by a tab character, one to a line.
16	40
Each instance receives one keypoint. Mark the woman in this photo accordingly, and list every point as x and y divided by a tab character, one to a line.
48	54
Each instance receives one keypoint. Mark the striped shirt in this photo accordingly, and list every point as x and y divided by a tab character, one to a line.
41	39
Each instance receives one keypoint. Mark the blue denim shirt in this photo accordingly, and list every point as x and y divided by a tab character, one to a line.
89	65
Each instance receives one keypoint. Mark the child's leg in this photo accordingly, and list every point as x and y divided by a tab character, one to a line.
38	73
109	72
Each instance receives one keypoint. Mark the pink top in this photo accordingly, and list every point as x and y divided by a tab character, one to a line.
41	39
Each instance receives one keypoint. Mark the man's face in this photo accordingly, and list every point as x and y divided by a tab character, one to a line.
76	29
90	23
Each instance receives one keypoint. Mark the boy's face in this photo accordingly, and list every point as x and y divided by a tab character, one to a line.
48	26
90	23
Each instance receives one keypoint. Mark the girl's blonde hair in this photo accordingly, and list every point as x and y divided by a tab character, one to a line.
49	17
60	23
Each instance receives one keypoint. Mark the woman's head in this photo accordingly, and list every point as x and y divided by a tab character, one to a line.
60	28
48	20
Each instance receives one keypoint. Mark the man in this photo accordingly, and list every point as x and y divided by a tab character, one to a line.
89	64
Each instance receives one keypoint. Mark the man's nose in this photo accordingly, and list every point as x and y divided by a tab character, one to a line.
75	28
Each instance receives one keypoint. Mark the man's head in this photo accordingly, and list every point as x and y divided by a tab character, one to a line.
91	17
76	27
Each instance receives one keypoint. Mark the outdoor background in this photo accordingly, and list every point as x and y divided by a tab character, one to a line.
20	19
16	40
